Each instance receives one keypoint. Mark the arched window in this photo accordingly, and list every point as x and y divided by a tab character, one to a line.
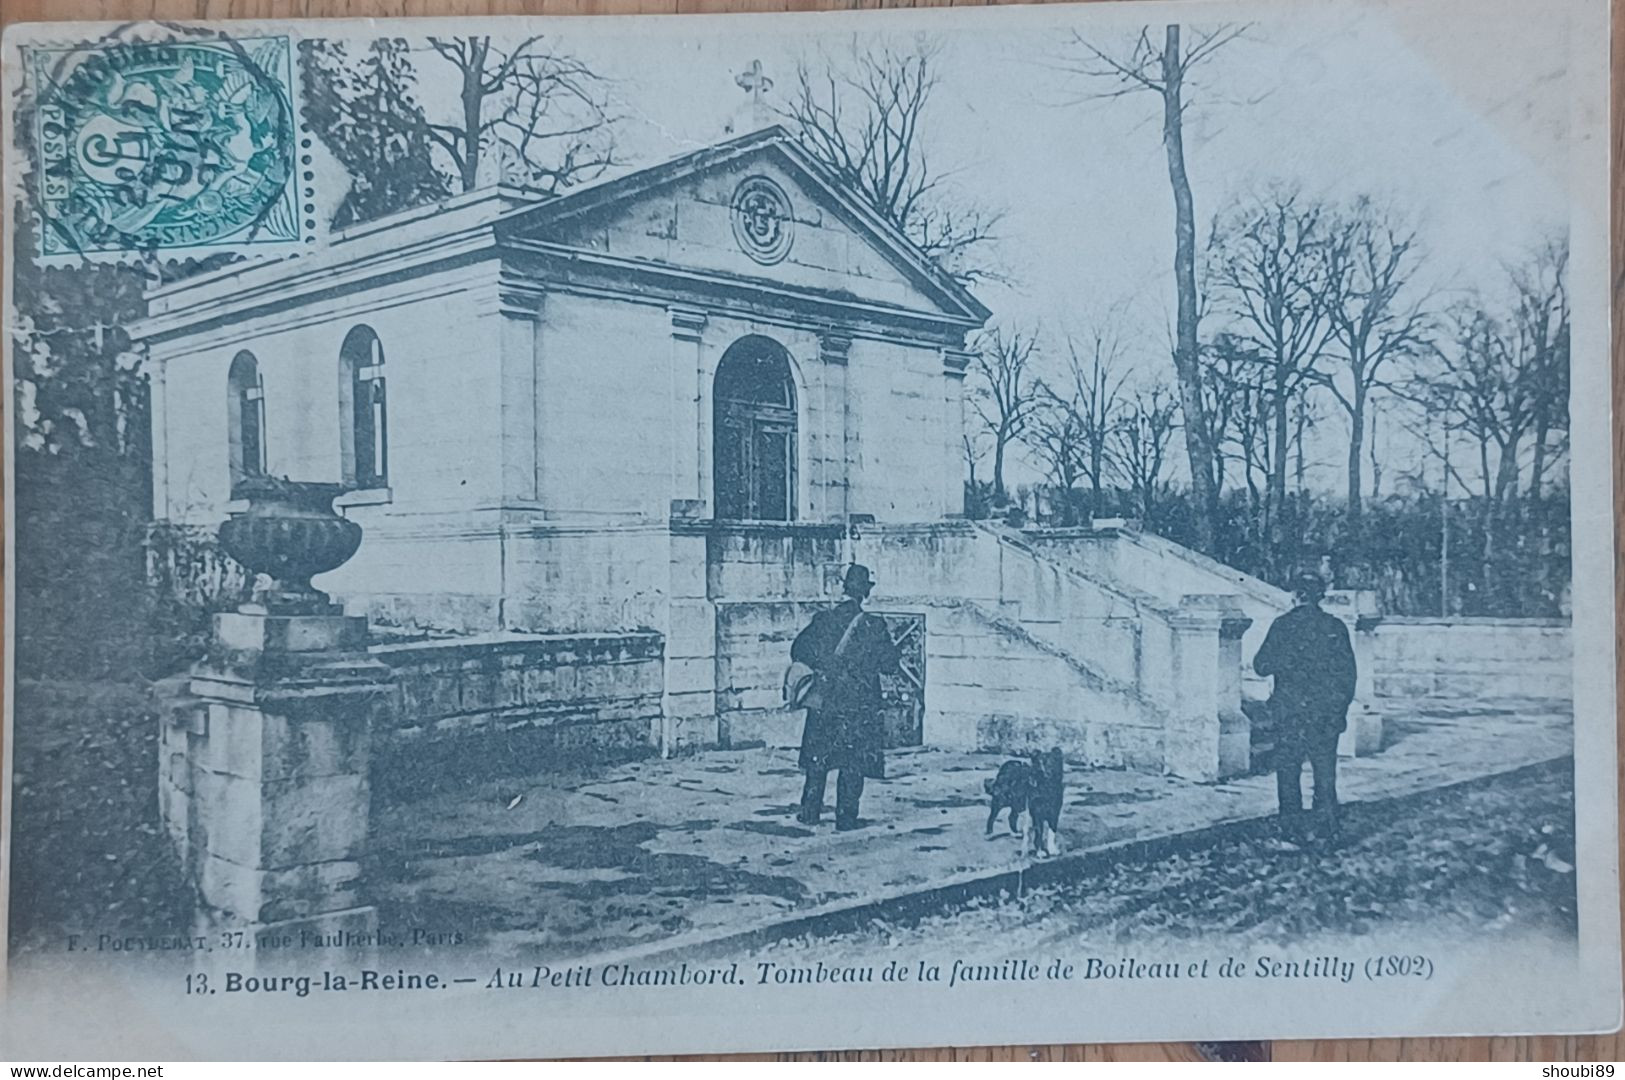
754	455
245	418
364	445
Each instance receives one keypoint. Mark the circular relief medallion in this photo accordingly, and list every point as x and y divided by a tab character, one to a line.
763	224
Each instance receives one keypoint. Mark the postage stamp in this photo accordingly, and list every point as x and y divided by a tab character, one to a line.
165	147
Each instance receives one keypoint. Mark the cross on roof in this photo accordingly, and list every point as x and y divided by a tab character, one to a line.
754	82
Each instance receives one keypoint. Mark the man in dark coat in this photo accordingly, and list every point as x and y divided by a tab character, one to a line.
849	649
1309	654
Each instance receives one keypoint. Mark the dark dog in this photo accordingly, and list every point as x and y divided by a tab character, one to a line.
1034	787
1013	789
1044	804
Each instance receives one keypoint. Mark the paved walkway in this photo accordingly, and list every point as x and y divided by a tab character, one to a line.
669	854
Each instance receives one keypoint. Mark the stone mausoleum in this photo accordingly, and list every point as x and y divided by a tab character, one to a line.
610	450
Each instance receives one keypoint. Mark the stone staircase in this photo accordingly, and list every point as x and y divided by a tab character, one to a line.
995	684
1033	648
1168	571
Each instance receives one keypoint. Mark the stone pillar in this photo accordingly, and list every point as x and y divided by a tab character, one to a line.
1190	693
518	307
1235	728
834	457
157	369
690	428
1197	673
954	364
688	703
265	772
1358	610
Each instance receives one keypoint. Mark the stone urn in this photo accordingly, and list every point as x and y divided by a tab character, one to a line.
289	534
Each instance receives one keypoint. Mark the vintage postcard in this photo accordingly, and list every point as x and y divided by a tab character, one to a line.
583	536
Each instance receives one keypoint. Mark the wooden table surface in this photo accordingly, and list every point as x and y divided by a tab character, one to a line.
1538	1048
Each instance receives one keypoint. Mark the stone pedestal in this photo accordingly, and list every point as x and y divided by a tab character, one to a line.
1235	727
264	772
1363	736
1358	610
1207	736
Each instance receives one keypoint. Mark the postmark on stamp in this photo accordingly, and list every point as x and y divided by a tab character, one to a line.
166	147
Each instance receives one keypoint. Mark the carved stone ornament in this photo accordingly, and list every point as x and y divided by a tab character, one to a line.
289	533
762	220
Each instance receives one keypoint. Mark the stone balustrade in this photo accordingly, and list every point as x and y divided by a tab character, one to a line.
484	703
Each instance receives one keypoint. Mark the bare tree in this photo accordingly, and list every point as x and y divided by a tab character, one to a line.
1055	433
361	99
1501	378
1071	427
543	113
1306	418
1271	274
1005	392
1541	319
1485	384
1162	67
1435	430
972	445
1506	375
1257	420
862	115
1378	414
1229	375
1094	370
1376	316
1143	434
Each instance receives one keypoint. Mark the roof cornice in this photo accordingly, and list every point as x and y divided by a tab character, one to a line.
257	293
559	264
467	228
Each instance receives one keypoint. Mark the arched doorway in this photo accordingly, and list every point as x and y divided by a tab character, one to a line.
754	450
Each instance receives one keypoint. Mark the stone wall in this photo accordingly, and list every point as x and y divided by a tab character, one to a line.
1132	559
764	583
501	703
988	686
775	562
1021	651
992	686
441	359
753	649
1469	659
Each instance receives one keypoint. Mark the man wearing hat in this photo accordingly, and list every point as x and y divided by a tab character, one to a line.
1309	654
849	649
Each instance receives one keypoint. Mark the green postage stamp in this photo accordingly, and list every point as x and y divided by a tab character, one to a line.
164	147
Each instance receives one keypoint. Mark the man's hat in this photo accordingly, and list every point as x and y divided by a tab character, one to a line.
857	577
1310	585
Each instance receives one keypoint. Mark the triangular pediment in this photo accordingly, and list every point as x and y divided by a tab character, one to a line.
752	209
